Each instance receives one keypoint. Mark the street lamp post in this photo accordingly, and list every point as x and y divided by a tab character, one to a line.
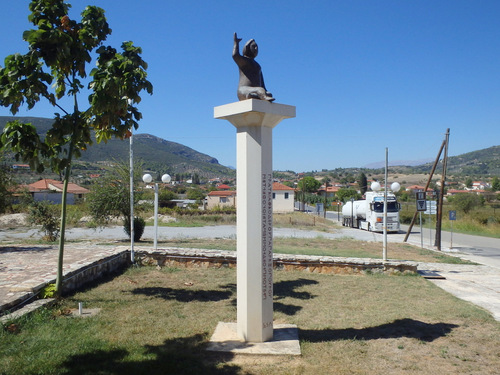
147	178
375	186
384	227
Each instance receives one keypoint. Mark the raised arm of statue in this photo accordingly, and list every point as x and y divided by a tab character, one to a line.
236	47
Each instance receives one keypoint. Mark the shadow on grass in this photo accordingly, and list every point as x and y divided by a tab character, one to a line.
283	289
184	355
21	249
184	295
287	288
286	309
399	328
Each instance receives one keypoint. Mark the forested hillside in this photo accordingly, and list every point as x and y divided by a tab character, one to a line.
157	154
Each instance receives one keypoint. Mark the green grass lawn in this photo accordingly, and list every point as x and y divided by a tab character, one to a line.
158	321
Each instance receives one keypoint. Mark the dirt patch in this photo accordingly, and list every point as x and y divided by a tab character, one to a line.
13	220
413	179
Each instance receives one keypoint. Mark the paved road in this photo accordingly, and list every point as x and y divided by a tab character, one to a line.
477	284
485	250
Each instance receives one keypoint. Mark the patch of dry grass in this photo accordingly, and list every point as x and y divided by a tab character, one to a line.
159	321
301	220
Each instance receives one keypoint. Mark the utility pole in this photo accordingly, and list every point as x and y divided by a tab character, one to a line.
439	213
326	199
426	187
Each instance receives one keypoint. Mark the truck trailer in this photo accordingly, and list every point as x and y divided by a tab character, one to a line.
368	214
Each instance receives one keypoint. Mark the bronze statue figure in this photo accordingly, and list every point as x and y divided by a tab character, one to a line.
251	84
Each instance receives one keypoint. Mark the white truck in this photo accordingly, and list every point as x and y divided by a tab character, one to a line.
368	214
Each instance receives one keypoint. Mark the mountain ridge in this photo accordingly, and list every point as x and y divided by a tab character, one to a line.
155	153
158	154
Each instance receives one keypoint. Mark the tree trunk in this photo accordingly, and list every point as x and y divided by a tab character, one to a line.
60	259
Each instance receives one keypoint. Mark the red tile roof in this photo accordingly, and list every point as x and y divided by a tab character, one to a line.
42	184
54	185
278	186
72	188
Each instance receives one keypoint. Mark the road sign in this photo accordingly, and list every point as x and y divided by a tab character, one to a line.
421	205
420	195
431	208
421	202
453	215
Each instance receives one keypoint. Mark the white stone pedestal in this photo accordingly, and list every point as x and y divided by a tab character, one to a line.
254	120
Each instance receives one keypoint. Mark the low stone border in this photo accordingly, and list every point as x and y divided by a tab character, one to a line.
318	264
95	270
73	280
26	309
176	257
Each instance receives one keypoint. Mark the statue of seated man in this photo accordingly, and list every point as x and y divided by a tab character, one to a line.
251	84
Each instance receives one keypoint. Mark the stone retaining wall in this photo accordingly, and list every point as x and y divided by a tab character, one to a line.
95	270
318	264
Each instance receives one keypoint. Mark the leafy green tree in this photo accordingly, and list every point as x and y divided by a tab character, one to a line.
468	182
362	183
309	184
403	195
306	186
326	180
165	196
6	186
495	184
466	202
196	179
56	68
196	194
344	194
109	196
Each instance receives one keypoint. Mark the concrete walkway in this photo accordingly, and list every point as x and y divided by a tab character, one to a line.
26	268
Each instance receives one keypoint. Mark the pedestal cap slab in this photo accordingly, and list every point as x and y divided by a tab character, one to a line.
254	112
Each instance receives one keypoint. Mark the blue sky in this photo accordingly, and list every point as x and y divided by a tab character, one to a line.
363	75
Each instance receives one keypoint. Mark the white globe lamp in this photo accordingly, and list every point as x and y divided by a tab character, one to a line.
375	186
166	178
147	178
395	186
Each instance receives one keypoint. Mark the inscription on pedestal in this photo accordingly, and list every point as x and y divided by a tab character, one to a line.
267	236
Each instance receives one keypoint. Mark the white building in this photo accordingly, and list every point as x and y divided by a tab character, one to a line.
283	198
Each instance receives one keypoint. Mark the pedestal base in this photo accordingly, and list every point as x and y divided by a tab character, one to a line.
285	341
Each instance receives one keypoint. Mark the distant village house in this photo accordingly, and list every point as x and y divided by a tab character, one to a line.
283	198
221	198
51	190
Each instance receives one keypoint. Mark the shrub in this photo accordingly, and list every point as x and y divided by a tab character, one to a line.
466	202
405	217
45	214
139	225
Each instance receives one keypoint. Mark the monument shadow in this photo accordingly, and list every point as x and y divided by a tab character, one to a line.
400	328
